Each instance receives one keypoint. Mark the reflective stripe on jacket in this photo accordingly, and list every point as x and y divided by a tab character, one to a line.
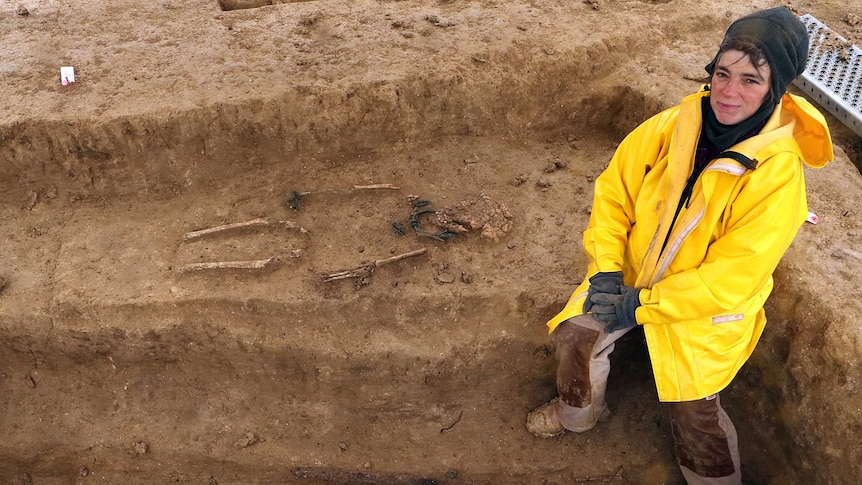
702	298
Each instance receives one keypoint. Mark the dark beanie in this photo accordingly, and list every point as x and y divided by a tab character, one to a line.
783	39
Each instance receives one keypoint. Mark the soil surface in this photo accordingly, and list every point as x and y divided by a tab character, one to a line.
317	242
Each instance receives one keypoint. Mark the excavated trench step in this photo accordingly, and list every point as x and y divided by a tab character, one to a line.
324	406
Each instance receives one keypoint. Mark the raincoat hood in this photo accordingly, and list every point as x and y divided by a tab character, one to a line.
810	131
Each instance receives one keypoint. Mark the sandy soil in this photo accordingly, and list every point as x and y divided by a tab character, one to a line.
327	128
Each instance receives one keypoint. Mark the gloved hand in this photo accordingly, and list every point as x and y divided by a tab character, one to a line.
617	311
603	282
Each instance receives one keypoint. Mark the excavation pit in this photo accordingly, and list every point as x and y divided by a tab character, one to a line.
120	366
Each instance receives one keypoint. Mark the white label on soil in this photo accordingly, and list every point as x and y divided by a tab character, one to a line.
67	75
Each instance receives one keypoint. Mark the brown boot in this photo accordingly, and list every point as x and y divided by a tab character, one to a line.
544	421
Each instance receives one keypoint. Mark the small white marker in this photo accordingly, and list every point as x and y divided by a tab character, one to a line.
67	75
812	218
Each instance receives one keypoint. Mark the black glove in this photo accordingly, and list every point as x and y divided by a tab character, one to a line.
603	282
617	311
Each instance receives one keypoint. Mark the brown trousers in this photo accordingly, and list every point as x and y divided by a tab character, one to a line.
704	437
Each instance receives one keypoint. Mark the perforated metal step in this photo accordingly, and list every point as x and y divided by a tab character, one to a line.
833	77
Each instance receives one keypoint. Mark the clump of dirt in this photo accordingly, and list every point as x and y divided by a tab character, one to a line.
831	42
491	218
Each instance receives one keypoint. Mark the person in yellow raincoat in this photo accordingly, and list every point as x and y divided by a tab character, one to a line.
689	221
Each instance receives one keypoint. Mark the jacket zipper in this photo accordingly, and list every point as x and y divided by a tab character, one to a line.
685	198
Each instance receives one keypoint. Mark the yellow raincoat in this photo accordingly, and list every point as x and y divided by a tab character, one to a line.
702	298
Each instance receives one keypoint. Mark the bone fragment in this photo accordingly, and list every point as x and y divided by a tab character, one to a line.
366	269
189	236
355	187
253	264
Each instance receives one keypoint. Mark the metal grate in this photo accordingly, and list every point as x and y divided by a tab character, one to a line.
833	77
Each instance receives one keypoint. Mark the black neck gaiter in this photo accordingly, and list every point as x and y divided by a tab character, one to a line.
725	136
